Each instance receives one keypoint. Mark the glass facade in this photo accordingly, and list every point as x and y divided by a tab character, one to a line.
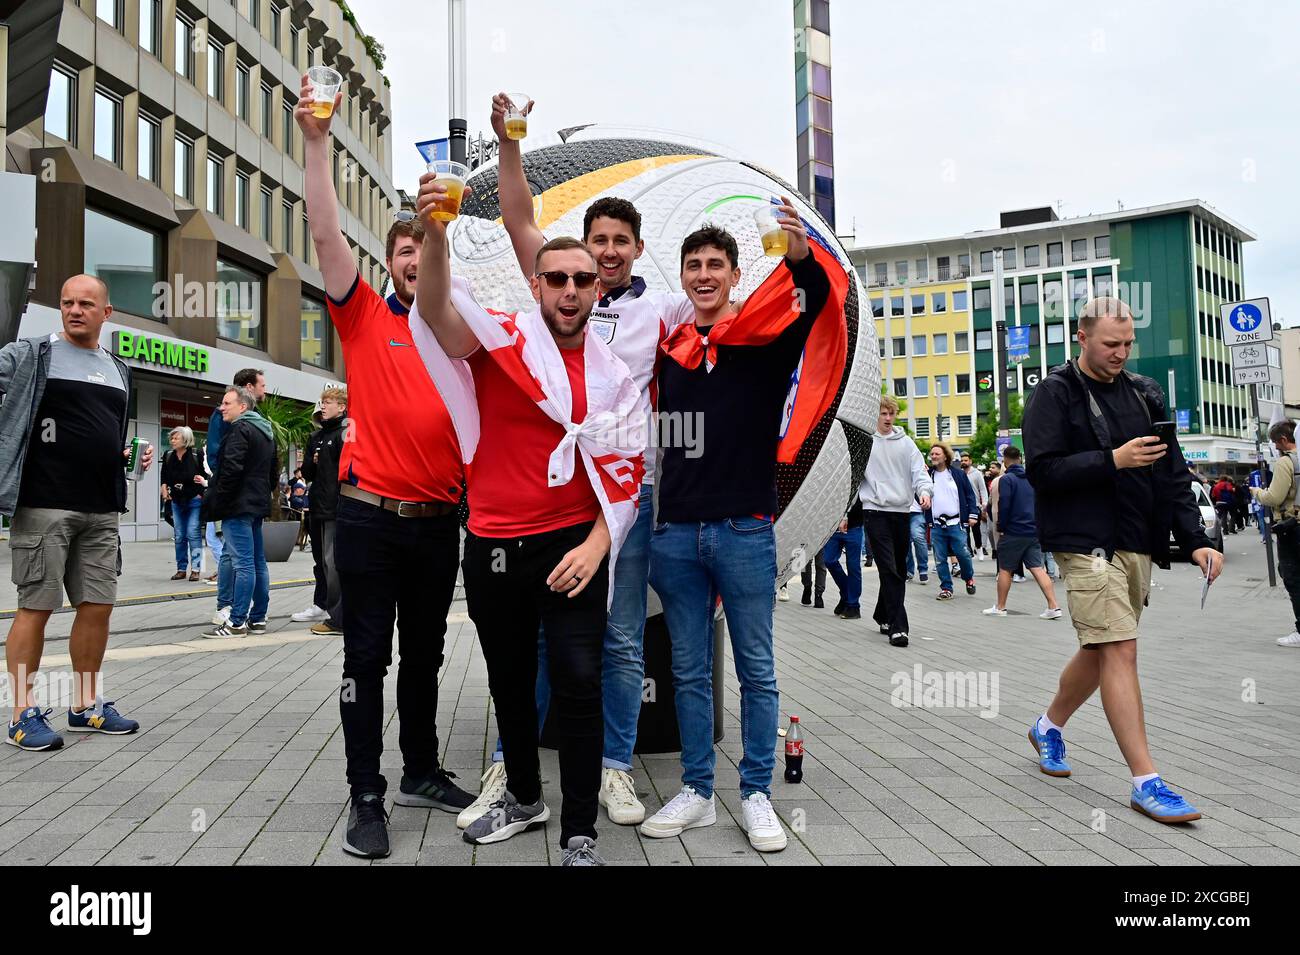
128	257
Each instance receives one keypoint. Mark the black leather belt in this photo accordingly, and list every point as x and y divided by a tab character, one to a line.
400	508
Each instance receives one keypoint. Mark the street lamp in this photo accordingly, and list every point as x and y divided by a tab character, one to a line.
999	343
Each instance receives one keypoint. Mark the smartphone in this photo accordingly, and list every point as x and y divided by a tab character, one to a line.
1167	432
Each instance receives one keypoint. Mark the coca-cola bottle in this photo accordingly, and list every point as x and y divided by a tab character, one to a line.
793	752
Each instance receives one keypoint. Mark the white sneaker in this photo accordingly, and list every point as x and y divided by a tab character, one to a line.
221	617
759	820
312	614
1054	614
980	555
994	612
1290	640
618	796
686	810
494	788
783	594
1018	578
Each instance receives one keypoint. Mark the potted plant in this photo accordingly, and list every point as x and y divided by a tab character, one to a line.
291	424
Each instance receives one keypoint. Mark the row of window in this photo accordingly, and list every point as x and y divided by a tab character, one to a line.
1207	280
1053	303
1220	417
943	426
898	346
1216	240
113	12
903	272
919	387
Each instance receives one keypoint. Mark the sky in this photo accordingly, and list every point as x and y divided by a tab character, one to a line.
945	113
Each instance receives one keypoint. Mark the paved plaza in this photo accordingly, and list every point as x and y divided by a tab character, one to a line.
239	760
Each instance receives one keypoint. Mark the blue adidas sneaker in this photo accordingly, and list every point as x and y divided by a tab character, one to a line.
101	719
33	730
1050	749
1161	803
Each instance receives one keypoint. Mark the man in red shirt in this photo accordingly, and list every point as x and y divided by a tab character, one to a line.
397	536
535	554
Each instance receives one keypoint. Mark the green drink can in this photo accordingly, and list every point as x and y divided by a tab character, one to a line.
135	459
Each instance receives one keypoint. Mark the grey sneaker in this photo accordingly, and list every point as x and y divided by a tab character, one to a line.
505	818
582	851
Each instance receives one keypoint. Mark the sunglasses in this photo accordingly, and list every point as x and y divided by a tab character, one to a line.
558	280
404	215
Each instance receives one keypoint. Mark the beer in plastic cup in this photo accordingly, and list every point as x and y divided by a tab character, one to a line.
325	83
516	118
776	241
453	176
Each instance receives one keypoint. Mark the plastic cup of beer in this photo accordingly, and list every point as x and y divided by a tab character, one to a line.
776	241
325	83
453	176
516	118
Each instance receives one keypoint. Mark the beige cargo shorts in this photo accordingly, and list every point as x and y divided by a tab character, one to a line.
55	550
1106	597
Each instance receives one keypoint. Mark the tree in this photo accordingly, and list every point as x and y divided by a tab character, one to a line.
291	425
983	445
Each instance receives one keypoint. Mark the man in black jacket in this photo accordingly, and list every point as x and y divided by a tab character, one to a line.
1108	493
321	467
240	498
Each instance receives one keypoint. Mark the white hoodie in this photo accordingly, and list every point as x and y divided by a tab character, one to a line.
896	473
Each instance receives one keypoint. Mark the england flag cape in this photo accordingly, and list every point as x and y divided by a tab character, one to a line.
611	440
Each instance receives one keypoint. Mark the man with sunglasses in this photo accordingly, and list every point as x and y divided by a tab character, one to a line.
542	523
633	321
397	536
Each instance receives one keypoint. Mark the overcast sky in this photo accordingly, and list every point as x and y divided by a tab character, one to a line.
945	113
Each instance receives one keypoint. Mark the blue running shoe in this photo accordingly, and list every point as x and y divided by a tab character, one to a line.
1050	750
1161	803
33	731
94	719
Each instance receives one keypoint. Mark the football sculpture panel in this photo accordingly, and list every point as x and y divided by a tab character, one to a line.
677	188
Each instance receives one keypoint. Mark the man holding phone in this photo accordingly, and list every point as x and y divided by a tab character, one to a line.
1108	492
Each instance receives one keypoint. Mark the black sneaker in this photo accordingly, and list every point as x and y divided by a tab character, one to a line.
898	640
367	834
818	603
806	599
884	629
839	607
435	791
970	587
851	613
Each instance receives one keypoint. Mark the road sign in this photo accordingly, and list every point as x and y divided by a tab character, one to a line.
1257	376
1246	322
1249	356
1018	342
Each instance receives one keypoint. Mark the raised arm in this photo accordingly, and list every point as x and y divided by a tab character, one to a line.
433	282
515	198
337	266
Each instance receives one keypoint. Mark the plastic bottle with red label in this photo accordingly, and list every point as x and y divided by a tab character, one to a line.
794	752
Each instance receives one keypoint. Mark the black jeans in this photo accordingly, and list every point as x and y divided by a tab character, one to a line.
508	598
807	574
333	604
890	535
320	595
392	568
1288	568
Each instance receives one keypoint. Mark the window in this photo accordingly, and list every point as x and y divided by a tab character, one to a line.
1031	256
1054	254
151	26
185	48
938	302
922	270
286	108
216	72
108	126
286	211
986	261
127	257
149	135
267	226
900	387
1078	250
944	264
242	81
1009	258
877	306
984	340
941	344
1056	334
241	198
965	423
315	333
918	304
1101	285
239	304
216	185
1078	290
61	104
961	342
921	387
959	301
983	298
963	265
268	111
943	426
275	25
895	305
941	385
918	345
1053	299
255	13
922	427
306	238
899	347
882	273
293	44
963	384
1101	245
110	11
1029	293
184	168
900	271
881	342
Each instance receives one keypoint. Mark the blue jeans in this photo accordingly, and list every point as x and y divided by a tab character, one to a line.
185	533
850	544
252	583
214	544
623	662
949	542
691	566
918	546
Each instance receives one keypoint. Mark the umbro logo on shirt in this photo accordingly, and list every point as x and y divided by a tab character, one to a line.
396	344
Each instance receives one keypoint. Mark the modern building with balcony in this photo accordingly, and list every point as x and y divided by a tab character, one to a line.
1175	264
166	160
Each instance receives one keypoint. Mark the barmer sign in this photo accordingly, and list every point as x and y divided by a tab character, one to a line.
159	351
